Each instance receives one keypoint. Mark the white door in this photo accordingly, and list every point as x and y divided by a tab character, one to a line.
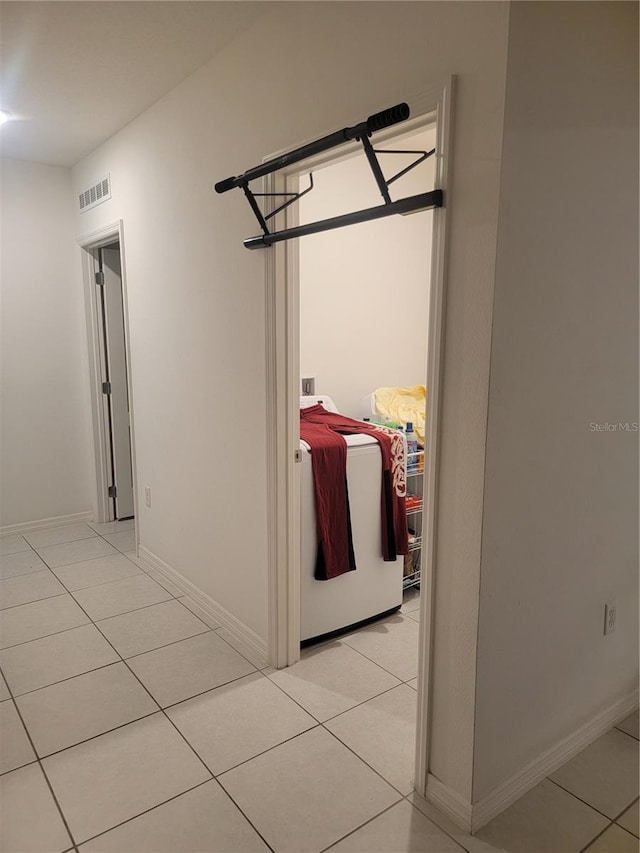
115	381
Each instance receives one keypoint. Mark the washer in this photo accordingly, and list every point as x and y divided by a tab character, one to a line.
375	587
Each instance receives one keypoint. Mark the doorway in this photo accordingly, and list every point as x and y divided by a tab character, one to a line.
114	385
363	320
110	385
283	391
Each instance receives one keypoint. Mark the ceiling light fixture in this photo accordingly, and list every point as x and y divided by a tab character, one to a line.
4	116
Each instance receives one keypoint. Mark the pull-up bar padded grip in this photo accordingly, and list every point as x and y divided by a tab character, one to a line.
386	118
227	184
378	121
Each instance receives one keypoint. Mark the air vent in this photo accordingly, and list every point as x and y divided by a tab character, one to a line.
96	194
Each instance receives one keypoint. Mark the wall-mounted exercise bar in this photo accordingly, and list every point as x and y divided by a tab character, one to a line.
361	132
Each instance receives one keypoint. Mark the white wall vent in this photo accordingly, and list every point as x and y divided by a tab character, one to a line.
96	194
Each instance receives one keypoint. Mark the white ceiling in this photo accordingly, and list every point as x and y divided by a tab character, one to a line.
74	73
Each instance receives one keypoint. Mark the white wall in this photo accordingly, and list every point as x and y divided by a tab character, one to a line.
45	455
561	501
364	290
196	295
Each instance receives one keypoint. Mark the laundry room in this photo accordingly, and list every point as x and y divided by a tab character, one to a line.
364	319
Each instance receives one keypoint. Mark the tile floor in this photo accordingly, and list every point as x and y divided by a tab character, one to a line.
130	721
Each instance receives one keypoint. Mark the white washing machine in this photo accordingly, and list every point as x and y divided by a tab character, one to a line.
375	587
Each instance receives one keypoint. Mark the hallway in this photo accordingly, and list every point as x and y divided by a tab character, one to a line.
151	729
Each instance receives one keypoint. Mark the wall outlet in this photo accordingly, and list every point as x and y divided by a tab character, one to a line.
610	616
147	496
308	386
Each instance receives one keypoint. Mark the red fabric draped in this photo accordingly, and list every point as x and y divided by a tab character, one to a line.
323	431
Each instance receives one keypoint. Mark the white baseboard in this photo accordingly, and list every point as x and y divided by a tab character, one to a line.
473	817
215	611
449	802
44	523
548	762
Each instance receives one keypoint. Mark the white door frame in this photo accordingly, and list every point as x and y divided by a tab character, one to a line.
89	244
283	392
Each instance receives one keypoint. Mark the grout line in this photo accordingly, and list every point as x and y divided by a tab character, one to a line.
622	731
575	796
173	705
37	759
105	732
364	761
595	837
183	597
145	687
292	698
388	808
218	776
166	645
101	583
124	612
145	607
213	777
261	668
146	811
625	809
371	660
628	831
83	560
42	568
357	828
44	636
19	766
68	678
66	541
160	711
245	816
257	671
34	601
155	576
33	549
364	702
175	797
318	724
444	831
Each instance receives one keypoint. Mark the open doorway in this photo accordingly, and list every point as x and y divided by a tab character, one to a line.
283	400
110	385
364	306
114	386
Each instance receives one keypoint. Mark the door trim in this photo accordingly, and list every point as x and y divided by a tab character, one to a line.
282	386
89	243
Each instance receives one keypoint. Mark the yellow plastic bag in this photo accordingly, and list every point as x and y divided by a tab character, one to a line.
403	405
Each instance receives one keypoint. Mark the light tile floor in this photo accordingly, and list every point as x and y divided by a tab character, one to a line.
130	721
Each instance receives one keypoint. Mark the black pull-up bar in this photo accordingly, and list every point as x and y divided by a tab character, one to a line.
425	201
362	132
378	121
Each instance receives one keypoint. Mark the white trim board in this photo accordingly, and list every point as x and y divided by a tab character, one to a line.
45	523
449	802
211	608
551	760
474	817
88	244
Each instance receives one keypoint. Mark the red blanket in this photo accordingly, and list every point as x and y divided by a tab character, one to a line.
323	430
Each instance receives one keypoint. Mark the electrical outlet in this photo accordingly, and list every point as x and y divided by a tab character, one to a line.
147	496
308	386
610	615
